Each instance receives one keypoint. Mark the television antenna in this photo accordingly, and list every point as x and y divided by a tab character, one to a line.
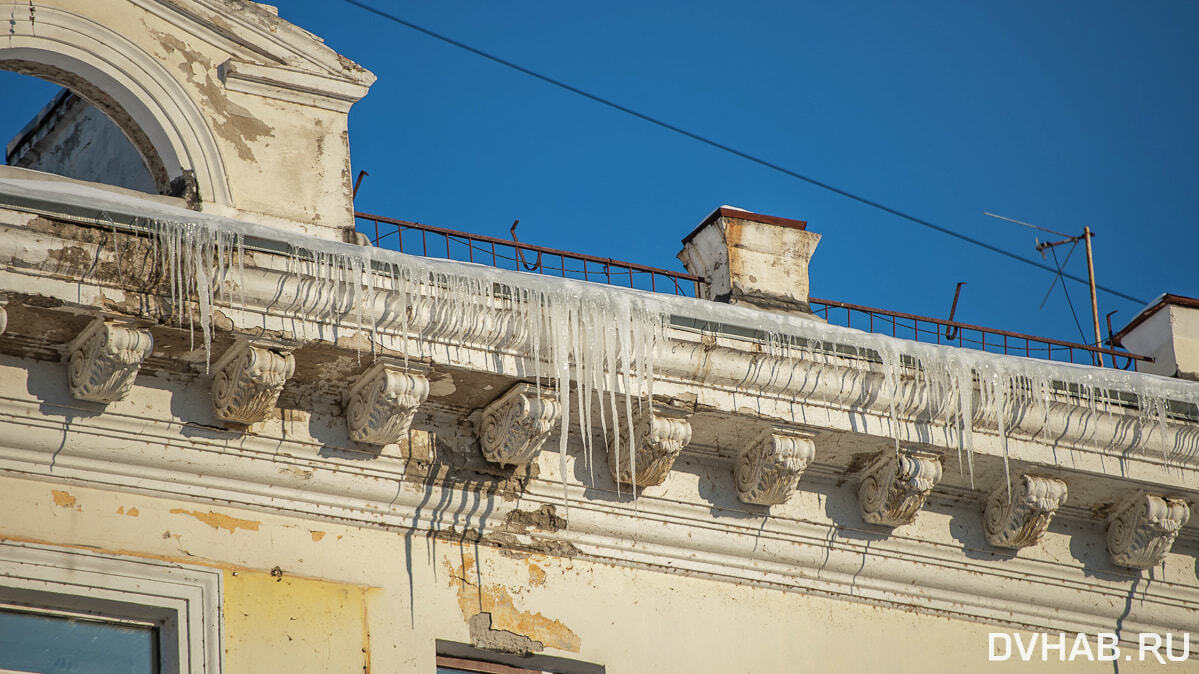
1042	246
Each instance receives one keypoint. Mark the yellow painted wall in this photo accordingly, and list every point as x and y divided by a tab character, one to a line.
348	599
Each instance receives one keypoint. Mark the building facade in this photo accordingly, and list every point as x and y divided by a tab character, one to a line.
230	428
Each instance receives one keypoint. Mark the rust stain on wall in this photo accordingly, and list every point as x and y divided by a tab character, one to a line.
218	521
64	499
475	598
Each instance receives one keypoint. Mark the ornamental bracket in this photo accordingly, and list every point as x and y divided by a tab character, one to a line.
383	400
659	436
1019	517
249	377
515	425
768	471
103	360
1142	529
895	486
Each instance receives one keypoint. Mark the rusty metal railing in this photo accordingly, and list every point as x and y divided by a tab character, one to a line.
429	241
953	333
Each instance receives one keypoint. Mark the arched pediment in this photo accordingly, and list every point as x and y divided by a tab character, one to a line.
224	92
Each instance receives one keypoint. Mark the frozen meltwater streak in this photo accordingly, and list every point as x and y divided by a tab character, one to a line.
603	339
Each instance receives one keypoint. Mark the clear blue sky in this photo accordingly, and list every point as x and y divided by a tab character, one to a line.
1064	114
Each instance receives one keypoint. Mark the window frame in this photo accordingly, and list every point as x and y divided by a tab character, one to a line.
182	600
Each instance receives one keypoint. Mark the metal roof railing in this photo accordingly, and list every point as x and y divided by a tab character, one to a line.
953	333
429	241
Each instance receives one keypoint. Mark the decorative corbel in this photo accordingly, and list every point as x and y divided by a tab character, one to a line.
3	316
516	425
768	470
659	436
381	403
1019	517
1142	529
249	377
102	361
895	486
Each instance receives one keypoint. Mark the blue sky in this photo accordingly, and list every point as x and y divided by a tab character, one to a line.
1064	114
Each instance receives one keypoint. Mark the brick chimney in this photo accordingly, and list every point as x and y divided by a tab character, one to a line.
752	259
1168	330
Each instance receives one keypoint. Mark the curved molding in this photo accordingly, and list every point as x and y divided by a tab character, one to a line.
138	82
768	471
1019	517
845	394
658	436
382	402
516	425
1142	529
248	380
103	361
895	486
3	318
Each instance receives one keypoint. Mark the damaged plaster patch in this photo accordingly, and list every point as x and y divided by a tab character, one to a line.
495	621
218	521
544	518
516	537
503	641
234	123
64	499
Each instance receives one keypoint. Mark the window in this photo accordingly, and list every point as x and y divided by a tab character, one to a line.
67	610
50	642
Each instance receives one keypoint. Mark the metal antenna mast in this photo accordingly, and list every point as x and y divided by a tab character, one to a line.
1085	237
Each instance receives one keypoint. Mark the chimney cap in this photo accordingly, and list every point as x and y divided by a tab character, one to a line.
742	214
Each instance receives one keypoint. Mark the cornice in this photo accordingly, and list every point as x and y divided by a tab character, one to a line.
674	531
719	390
249	29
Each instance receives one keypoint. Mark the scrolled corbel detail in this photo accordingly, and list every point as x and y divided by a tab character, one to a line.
382	402
659	436
1142	529
515	425
3	316
103	360
768	471
248	380
895	486
1020	517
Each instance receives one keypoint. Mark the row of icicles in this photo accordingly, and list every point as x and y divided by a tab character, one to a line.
599	338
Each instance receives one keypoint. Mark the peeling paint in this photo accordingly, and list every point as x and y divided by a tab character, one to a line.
475	599
536	575
317	535
219	521
132	512
64	499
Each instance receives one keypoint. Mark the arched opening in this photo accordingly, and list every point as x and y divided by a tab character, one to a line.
70	136
117	80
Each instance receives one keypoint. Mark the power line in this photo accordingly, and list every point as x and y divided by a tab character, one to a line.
726	148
